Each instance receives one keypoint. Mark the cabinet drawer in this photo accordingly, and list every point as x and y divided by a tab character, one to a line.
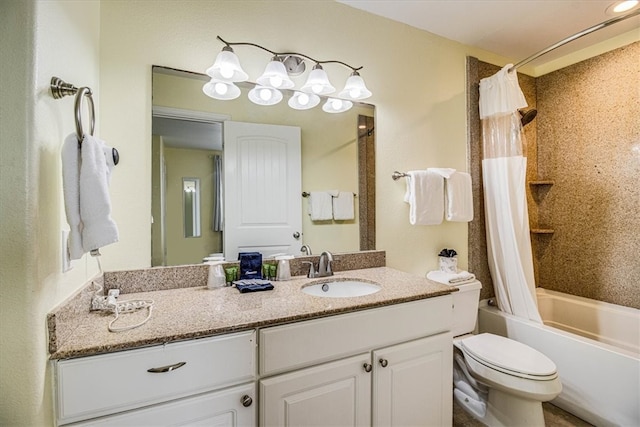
297	345
218	408
100	385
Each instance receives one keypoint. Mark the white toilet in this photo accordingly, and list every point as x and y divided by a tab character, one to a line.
499	381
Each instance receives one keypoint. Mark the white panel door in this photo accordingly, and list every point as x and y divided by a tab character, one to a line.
412	383
333	394
262	187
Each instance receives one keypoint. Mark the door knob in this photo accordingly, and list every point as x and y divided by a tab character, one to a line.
296	235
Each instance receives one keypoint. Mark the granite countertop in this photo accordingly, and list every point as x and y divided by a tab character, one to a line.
194	312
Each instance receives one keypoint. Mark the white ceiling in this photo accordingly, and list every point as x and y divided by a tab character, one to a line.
514	29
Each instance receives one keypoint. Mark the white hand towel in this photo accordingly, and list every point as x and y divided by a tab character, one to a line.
343	206
95	204
71	193
425	195
320	206
458	278
459	197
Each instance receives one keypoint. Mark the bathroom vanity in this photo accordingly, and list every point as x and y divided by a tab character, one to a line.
270	358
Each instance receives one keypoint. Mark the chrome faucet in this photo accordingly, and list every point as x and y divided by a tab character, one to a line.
306	249
324	266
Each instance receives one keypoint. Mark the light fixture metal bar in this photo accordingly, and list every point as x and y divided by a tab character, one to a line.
332	61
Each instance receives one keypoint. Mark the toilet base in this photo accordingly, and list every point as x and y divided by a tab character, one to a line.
507	410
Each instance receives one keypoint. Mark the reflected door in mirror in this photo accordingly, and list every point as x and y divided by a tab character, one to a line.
262	168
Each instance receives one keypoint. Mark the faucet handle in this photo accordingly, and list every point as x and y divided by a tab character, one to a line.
312	270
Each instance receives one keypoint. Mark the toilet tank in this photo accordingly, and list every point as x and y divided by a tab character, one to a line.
465	308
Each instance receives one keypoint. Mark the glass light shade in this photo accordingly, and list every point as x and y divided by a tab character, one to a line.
335	105
275	75
303	101
355	88
219	89
264	95
227	67
318	82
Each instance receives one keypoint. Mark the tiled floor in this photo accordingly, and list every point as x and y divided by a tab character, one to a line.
553	417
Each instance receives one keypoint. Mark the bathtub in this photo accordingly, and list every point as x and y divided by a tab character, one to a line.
596	347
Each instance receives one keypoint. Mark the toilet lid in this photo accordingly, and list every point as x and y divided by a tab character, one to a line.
508	355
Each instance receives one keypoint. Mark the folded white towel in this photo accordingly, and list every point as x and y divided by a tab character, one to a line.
459	278
459	197
320	205
95	203
343	206
445	172
71	193
425	195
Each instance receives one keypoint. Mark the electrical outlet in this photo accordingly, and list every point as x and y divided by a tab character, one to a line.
66	261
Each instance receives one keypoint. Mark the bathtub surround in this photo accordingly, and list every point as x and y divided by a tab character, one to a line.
585	141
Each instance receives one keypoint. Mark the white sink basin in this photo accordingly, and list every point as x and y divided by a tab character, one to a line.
341	288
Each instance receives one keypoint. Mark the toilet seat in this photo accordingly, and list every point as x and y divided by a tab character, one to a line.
509	357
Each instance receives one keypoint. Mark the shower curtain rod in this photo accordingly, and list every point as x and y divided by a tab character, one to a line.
574	37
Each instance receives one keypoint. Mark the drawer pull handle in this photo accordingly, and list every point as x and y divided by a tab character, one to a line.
167	368
246	400
367	367
383	362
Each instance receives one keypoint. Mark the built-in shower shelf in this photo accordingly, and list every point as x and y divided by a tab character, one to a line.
541	182
542	231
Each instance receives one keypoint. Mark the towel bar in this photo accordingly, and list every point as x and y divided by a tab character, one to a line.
306	194
397	175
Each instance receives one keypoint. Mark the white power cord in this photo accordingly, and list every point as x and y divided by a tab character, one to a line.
110	303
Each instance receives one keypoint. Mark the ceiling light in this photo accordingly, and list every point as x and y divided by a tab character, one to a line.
622	6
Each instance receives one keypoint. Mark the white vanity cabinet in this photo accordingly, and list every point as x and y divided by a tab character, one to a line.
390	366
210	378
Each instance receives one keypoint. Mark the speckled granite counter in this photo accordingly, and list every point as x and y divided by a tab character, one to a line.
193	312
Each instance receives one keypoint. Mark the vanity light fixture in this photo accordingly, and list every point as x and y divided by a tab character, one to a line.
226	70
303	101
336	105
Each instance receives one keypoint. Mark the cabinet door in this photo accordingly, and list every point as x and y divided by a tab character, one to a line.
412	383
333	394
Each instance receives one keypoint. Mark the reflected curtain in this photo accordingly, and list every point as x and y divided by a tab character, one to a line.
217	219
504	174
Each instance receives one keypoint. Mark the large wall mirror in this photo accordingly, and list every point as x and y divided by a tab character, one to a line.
337	152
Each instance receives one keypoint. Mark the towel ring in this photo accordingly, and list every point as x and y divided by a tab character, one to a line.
80	95
59	89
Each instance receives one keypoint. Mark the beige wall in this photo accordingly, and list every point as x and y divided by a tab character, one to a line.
184	163
110	46
39	40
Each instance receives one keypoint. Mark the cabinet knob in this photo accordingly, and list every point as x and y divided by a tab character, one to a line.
383	362
246	400
367	367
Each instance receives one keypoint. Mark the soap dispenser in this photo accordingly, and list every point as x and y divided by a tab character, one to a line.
284	269
217	277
